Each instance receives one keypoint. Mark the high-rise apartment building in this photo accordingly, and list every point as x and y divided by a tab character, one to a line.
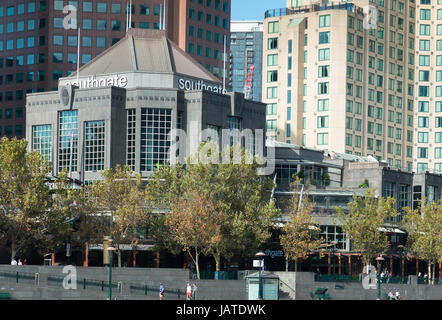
335	79
428	87
36	49
246	52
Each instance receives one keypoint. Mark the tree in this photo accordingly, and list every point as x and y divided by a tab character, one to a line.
193	224
120	196
239	195
24	196
364	221
424	227
71	215
299	235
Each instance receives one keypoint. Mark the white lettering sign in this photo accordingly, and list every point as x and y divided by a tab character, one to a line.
192	85
93	82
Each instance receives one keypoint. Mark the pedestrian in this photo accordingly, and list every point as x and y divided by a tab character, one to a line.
161	291
188	292
390	295
194	290
25	263
398	295
425	278
13	262
19	262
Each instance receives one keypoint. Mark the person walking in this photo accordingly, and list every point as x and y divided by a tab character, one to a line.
161	291
194	290
188	292
19	262
398	295
13	262
390	295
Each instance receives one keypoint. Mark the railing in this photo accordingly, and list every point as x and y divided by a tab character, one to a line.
88	283
336	278
222	275
19	276
313	8
154	291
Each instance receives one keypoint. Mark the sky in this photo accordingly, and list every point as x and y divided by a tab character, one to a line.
254	9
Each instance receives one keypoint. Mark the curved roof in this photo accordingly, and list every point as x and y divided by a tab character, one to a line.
144	50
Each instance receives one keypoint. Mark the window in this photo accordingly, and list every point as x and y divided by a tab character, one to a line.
324	37
272	92
324	21
322	138
94	143
322	122
102	7
272	43
68	140
271	125
324	54
42	141
273	27
323	104
323	71
156	124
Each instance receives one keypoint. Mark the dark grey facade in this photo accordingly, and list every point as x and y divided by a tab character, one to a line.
128	111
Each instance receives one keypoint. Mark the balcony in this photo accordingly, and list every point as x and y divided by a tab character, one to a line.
313	8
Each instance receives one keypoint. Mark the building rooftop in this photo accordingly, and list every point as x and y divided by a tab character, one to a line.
145	51
313	8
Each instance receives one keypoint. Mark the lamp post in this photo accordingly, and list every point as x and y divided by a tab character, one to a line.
260	255
401	248
111	252
334	243
380	259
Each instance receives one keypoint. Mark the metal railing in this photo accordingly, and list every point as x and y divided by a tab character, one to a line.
313	8
154	291
85	283
17	276
336	278
222	275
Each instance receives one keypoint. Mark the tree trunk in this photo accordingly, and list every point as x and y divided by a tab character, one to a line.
217	258
13	252
197	267
429	272
119	257
296	265
434	274
286	264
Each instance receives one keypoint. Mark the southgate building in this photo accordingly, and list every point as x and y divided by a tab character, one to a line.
123	106
36	48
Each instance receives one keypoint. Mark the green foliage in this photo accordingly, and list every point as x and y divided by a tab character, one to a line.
424	227
120	199
367	215
239	195
24	196
300	236
364	184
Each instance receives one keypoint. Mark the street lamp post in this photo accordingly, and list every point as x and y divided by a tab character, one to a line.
260	255
111	252
380	259
401	248
334	243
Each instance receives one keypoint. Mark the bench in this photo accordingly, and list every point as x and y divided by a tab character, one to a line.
5	296
321	294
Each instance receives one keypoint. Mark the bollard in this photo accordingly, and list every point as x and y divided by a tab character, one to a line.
84	283
145	289
120	287
179	293
37	279
16	277
102	285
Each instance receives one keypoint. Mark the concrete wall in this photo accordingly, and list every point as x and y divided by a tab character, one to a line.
305	284
173	279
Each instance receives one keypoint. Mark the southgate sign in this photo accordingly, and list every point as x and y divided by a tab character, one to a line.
93	82
122	81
